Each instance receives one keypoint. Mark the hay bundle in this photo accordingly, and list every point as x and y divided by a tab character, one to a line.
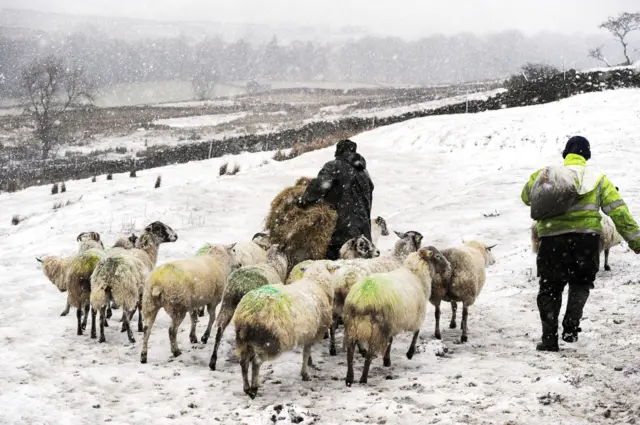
304	233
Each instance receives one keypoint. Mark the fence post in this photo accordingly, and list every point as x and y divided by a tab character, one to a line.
210	148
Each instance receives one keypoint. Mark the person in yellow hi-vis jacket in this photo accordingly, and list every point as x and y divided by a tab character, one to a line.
569	244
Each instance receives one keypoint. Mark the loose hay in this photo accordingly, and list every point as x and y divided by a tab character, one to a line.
304	233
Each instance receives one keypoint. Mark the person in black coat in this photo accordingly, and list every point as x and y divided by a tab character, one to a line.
345	185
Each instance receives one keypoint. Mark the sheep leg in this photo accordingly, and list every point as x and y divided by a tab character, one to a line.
244	365
93	323
176	320
140	327
224	318
306	360
256	362
79	317
365	370
102	324
149	320
412	347
193	315
606	260
454	310
332	336
437	334
66	310
85	316
128	326
109	312
350	351
386	360
211	308
201	312
463	324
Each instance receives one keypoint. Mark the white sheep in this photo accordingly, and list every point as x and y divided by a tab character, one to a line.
608	239
126	242
56	267
121	276
462	283
359	247
274	319
383	305
76	272
182	286
239	283
378	228
351	271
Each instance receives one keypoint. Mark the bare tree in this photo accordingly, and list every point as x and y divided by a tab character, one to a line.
51	89
598	55
620	27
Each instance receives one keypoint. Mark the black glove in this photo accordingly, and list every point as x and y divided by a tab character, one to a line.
300	203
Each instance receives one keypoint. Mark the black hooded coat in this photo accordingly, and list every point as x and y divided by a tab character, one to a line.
345	185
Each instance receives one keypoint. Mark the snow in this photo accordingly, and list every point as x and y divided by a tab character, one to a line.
446	176
201	120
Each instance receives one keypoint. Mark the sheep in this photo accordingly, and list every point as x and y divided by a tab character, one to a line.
274	319
89	240
250	254
76	272
383	305
462	283
182	286
608	239
56	267
126	242
121	275
240	282
359	247
378	228
350	272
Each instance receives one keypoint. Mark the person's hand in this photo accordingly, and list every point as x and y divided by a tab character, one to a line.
637	252
299	202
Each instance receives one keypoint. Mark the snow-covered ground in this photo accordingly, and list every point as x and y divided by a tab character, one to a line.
438	175
201	120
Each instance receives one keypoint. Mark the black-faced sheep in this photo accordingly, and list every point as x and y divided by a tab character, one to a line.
121	276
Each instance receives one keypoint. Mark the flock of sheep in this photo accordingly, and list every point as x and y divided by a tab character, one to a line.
275	306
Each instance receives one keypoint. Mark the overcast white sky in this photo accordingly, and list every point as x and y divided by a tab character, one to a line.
400	17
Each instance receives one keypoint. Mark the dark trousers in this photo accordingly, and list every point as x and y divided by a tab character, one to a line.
573	259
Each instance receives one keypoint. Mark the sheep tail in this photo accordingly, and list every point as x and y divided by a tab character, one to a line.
366	328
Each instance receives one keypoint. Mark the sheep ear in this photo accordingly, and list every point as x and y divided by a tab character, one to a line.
489	248
332	267
233	245
39	259
425	254
400	235
95	236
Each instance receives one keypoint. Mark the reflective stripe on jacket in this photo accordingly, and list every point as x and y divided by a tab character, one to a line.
595	192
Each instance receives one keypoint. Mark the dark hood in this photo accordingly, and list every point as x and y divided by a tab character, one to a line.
345	147
357	161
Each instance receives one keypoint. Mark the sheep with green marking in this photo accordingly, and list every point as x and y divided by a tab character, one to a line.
351	271
239	283
274	319
181	287
121	277
383	305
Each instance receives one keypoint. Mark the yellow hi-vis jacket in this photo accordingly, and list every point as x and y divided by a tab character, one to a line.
595	192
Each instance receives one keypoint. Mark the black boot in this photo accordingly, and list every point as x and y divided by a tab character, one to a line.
547	345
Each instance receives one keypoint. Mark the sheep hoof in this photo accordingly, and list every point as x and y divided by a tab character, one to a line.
452	325
109	314
106	324
140	329
93	336
463	339
193	339
332	351
410	354
363	380
102	339
143	358
305	377
387	362
64	313
84	327
132	340
204	339
438	336
177	353
349	381
607	268
251	392
212	364
79	332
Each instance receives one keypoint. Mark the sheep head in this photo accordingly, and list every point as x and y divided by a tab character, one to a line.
382	224
359	247
161	232
438	262
262	240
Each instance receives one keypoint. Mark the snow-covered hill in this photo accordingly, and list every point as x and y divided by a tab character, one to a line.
447	177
